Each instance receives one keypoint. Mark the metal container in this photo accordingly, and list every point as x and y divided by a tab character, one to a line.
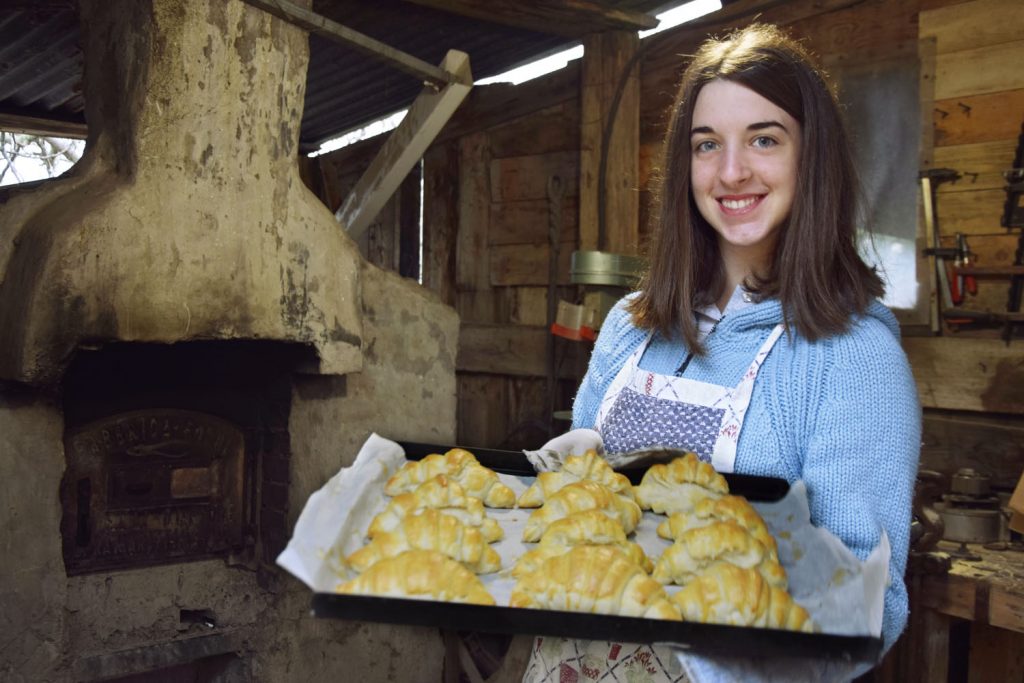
602	268
970	525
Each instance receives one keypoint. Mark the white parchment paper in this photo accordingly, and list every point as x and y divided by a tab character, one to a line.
843	595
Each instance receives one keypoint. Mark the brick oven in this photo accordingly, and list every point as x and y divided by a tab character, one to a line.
190	345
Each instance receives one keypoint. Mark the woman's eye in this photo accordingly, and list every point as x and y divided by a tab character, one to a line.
763	141
705	146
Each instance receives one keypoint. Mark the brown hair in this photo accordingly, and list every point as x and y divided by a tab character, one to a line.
816	271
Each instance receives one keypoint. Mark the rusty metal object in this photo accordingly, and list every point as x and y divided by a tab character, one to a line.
151	487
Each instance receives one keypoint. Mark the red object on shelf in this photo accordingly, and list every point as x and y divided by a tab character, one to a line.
575	334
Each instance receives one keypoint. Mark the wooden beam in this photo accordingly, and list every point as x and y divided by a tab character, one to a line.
30	125
967	373
609	218
333	31
573	18
405	146
515	350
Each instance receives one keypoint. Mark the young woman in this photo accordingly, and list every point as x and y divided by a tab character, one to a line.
756	339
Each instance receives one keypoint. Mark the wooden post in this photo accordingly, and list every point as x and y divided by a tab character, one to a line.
605	58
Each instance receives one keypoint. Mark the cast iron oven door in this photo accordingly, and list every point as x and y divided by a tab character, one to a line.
152	487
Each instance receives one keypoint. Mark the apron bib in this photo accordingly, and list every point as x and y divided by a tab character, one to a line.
643	410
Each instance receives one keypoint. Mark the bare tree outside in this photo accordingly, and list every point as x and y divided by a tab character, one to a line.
24	157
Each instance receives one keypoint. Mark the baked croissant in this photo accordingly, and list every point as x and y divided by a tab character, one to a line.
597	579
678	485
430	530
699	548
725	509
589	466
727	594
591	527
424	574
459	465
577	497
444	495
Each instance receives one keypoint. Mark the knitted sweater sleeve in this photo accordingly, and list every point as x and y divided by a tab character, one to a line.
863	438
617	339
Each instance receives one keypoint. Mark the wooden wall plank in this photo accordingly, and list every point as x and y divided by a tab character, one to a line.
973	212
526	222
992	68
971	25
474	211
440	219
514	350
555	129
482	410
978	118
526	264
968	374
526	177
986	159
530	306
993	446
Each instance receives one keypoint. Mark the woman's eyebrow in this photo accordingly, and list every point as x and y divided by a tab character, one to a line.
760	125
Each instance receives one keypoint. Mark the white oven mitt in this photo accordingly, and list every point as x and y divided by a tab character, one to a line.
551	456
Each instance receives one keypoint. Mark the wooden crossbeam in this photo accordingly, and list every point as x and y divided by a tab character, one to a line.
405	146
559	17
332	30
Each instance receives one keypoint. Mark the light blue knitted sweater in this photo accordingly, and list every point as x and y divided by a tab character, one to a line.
841	413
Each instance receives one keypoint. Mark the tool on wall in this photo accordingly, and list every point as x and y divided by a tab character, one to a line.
1013	217
944	257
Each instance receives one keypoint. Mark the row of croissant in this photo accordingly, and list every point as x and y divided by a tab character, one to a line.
434	536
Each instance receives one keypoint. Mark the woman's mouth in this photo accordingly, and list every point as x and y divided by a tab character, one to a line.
739	205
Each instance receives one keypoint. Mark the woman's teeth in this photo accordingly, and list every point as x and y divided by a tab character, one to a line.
734	204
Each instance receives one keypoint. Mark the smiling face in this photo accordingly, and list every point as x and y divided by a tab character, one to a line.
744	152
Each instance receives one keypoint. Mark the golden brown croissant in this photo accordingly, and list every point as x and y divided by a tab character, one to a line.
459	465
424	574
589	466
444	495
591	527
577	497
727	594
725	509
430	530
594	578
698	548
678	485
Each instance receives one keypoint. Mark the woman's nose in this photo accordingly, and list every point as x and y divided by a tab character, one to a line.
735	167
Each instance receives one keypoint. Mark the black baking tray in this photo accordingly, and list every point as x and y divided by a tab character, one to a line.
758	489
704	638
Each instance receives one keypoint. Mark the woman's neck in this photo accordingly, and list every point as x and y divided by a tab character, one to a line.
738	265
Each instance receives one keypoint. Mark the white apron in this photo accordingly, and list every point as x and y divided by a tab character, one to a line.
641	410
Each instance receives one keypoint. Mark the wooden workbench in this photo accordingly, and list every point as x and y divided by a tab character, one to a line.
965	625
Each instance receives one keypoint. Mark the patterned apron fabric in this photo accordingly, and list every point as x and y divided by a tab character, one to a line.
641	410
644	409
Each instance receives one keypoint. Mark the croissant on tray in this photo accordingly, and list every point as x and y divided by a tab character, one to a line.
430	530
595	579
424	574
444	495
459	465
589	466
677	486
727	594
591	527
697	549
577	497
725	509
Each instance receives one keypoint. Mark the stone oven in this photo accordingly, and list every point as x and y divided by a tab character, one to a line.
190	345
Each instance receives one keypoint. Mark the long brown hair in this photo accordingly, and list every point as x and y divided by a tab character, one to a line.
816	271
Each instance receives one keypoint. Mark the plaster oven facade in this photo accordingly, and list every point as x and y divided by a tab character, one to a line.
190	345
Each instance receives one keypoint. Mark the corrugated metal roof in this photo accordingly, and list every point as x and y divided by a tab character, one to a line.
41	60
